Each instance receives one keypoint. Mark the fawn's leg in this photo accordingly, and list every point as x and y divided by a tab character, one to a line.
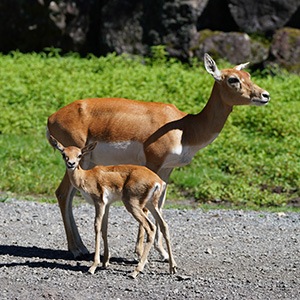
139	247
165	231
150	229
106	255
99	208
164	174
158	244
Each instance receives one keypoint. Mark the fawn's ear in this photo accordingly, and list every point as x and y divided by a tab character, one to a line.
56	144
211	67
89	148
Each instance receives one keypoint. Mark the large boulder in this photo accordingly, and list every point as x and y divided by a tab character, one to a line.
262	16
236	47
121	28
24	25
172	23
217	16
34	24
71	18
285	49
294	21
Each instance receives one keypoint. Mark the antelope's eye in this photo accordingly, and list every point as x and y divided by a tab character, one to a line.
233	80
80	155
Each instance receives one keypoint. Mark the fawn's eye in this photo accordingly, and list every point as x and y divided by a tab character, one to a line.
233	80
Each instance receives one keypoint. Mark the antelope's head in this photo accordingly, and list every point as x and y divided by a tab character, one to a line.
235	86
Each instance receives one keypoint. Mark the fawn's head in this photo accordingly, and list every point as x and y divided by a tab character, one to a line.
72	155
235	86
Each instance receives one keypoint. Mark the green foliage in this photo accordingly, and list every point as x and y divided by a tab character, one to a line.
254	161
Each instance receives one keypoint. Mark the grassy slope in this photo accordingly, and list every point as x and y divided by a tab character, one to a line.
256	154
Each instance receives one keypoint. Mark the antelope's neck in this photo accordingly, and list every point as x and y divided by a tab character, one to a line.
211	120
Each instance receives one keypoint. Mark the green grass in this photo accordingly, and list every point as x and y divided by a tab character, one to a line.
253	163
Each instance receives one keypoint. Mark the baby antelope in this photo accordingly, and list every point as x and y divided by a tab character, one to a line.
136	186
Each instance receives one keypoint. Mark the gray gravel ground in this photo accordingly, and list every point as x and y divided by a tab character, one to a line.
221	254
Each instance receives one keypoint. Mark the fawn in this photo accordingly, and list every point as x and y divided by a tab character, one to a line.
137	187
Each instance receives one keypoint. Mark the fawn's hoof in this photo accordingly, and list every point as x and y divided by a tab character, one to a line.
173	270
134	274
92	269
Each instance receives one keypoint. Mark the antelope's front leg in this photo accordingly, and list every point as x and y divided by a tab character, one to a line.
65	193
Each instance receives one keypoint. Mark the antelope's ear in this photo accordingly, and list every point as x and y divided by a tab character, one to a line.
211	67
56	144
241	66
89	148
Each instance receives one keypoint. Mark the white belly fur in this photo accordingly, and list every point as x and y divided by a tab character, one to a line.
130	152
183	155
108	197
118	153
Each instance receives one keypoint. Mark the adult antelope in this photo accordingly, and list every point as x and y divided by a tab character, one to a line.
137	187
155	135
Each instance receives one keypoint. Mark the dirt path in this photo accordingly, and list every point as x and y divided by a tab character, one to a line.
221	254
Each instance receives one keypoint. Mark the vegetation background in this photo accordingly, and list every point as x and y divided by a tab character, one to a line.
253	163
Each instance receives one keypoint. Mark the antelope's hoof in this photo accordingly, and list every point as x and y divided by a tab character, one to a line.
81	254
105	265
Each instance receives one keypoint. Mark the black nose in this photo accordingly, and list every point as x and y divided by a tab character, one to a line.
266	95
70	164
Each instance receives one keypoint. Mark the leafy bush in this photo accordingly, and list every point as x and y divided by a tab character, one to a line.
254	161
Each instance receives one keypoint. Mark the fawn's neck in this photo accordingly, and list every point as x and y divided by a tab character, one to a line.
77	177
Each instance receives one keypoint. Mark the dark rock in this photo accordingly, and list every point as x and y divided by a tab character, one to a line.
121	27
235	47
72	19
262	16
35	24
217	16
133	26
24	25
285	49
294	20
172	23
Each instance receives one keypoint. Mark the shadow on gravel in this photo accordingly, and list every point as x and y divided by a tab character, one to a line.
34	252
41	253
46	265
